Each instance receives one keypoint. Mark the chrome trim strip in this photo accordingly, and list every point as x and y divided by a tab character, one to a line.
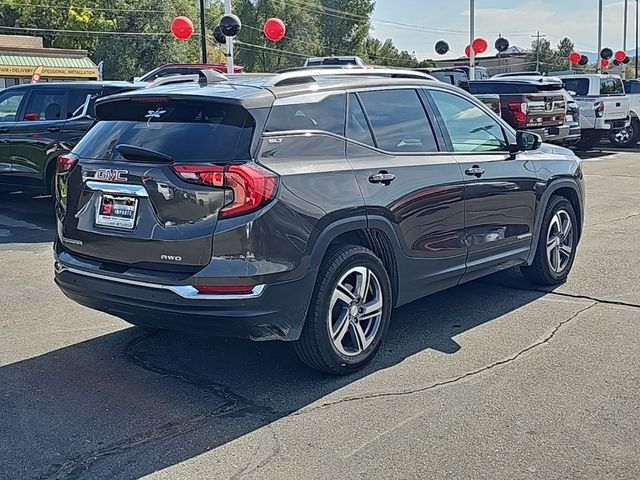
118	189
185	291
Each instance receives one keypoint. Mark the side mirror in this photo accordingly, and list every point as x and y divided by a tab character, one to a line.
525	141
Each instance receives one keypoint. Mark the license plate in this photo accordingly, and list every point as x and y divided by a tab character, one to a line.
569	118
117	212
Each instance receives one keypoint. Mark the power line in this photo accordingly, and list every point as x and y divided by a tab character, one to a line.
93	32
67	7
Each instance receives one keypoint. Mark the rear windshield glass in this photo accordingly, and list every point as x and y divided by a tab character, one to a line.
491	86
578	85
611	86
184	130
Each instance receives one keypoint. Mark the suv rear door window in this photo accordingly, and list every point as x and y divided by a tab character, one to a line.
470	128
611	86
197	131
46	104
578	85
327	115
77	99
399	121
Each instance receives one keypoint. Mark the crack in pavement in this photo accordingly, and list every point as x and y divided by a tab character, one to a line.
612	221
234	404
255	465
450	381
618	303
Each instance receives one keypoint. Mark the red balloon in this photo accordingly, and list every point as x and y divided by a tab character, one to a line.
182	28
620	55
480	45
467	51
574	57
604	63
274	29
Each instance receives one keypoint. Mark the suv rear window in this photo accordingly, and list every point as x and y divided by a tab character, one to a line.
185	130
504	88
611	86
578	85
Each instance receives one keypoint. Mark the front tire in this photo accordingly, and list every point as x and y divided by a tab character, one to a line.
556	249
349	312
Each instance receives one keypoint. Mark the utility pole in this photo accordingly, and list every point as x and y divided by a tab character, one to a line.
203	33
599	68
538	36
472	35
637	38
229	42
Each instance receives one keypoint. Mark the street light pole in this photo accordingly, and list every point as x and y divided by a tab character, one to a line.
599	69
203	33
229	42
472	34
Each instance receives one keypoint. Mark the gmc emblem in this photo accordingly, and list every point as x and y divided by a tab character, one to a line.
111	175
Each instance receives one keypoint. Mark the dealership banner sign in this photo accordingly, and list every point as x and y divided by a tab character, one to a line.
61	72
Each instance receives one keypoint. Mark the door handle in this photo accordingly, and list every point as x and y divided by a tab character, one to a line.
475	171
53	129
383	177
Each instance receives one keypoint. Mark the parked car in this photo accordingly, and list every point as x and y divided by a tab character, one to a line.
452	76
334	61
185	69
604	106
481	72
39	122
629	136
537	106
305	207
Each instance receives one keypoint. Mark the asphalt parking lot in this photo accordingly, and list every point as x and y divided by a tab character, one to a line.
493	379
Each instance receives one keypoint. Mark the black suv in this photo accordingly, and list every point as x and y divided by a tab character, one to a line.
305	206
39	122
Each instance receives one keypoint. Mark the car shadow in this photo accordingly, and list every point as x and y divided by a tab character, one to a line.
132	402
26	218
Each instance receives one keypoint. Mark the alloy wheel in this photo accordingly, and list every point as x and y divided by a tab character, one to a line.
355	311
560	241
623	136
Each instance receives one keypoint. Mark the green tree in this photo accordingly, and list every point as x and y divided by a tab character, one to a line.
342	33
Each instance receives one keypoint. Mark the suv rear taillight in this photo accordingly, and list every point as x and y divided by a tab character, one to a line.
599	108
252	186
66	162
519	111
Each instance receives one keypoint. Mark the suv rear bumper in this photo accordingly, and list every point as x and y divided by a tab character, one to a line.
271	312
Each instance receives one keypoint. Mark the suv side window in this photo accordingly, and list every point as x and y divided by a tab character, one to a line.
326	115
77	99
611	86
46	104
9	105
357	126
470	128
399	121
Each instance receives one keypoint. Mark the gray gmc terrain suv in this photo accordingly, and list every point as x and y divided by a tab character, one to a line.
305	206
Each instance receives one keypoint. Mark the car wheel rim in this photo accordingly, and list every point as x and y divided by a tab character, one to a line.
623	136
355	311
560	241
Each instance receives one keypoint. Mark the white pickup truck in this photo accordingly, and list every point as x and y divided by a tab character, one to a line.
630	136
604	106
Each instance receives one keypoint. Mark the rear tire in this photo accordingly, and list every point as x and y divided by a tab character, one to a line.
349	312
590	138
556	249
627	137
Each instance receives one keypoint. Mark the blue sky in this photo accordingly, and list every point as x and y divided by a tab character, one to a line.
515	19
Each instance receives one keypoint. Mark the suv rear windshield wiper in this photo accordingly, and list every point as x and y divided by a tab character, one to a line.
131	152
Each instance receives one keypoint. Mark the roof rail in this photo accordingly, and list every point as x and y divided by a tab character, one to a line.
310	75
203	77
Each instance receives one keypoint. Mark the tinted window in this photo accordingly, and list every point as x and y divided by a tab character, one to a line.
611	86
77	99
357	128
326	115
452	78
578	85
399	121
46	105
470	128
191	131
505	88
9	104
632	87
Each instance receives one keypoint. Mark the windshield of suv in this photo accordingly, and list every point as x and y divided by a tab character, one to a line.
183	130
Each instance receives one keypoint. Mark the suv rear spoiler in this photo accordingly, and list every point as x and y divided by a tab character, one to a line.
204	77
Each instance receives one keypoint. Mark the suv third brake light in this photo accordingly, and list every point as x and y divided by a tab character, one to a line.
252	186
